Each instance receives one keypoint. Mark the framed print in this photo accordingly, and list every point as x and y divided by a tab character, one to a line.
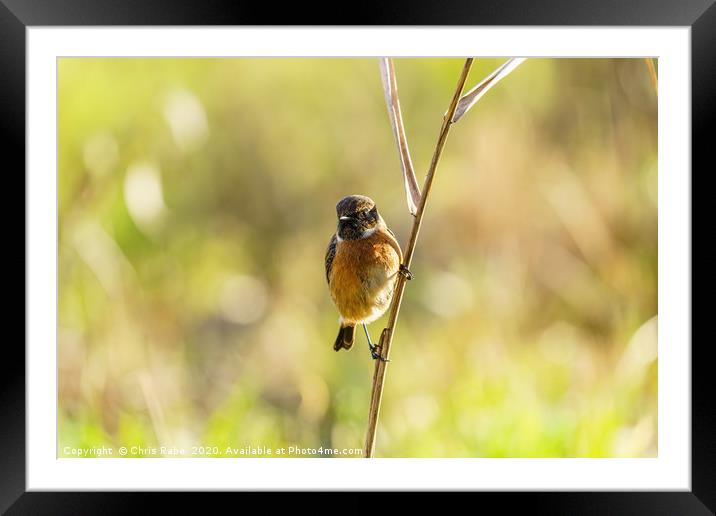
455	244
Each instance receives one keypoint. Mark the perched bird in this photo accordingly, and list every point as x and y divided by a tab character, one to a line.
362	263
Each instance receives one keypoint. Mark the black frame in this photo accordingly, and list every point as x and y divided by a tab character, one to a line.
16	15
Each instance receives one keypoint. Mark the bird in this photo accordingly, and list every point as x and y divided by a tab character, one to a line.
363	260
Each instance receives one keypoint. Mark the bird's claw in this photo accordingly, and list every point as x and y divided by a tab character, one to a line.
405	272
375	353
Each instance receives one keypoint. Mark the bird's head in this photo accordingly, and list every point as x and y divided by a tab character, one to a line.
357	217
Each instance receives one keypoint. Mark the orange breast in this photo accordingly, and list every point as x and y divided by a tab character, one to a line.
363	276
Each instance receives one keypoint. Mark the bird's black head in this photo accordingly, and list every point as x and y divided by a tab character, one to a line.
356	215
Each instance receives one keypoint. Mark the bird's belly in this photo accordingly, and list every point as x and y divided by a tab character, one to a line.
362	279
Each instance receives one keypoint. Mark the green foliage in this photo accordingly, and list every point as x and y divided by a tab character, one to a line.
196	198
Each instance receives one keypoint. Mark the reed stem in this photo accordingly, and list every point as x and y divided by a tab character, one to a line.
386	337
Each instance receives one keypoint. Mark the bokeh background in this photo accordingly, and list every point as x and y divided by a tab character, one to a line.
196	200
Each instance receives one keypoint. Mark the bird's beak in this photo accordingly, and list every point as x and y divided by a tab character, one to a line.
346	218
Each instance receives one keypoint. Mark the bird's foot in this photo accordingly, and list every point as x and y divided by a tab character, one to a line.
405	272
375	353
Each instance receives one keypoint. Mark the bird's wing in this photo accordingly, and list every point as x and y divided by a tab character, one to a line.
393	241
330	253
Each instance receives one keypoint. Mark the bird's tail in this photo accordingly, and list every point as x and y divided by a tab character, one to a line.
346	336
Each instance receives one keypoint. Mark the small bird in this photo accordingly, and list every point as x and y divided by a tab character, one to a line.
363	260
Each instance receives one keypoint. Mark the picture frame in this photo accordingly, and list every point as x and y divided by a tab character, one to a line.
17	15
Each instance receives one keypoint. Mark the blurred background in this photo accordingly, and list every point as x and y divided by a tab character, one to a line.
196	201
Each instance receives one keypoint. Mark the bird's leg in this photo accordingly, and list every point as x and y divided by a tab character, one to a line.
374	350
404	271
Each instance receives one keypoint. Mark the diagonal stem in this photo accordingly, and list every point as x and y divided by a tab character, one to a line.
390	89
386	338
471	97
